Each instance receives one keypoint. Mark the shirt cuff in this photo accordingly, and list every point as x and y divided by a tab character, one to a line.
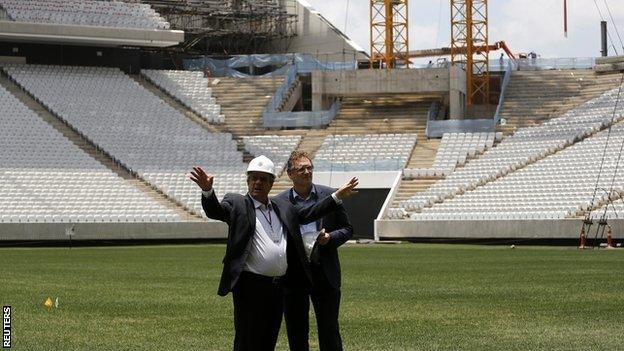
335	197
207	193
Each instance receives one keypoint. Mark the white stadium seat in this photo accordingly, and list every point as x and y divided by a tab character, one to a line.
86	13
136	128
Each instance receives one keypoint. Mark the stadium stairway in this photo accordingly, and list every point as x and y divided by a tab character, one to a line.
410	187
90	149
533	97
173	102
213	128
242	101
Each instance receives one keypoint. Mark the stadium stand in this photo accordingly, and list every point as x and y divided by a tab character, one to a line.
242	101
86	13
190	88
533	97
509	168
275	147
381	115
44	177
612	210
135	128
403	113
454	150
559	186
369	152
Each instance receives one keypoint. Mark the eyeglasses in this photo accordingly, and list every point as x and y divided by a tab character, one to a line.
304	169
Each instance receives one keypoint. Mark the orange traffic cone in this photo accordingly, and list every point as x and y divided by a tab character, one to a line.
609	238
582	239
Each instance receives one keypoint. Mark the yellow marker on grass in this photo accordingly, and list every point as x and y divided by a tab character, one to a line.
49	303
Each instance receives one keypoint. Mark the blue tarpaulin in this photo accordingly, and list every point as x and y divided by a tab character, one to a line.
228	68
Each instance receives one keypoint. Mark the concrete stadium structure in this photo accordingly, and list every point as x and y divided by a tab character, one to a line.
427	171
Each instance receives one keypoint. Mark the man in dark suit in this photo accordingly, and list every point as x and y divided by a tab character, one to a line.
335	230
264	250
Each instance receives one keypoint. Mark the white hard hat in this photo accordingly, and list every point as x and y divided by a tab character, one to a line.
261	164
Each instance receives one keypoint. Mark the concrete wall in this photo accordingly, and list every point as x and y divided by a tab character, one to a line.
520	229
377	81
87	35
112	231
457	93
367	180
381	81
192	230
12	59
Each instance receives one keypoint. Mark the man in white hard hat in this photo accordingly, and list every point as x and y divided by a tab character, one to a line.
264	249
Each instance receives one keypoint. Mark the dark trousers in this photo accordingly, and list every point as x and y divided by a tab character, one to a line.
326	301
258	308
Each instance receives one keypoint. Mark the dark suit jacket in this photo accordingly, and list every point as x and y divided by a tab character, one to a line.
238	212
339	228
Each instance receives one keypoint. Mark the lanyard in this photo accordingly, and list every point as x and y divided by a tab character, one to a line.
265	217
276	237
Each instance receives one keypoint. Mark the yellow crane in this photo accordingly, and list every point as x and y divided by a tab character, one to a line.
389	40
389	33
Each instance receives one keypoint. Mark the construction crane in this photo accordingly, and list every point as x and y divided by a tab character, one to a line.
389	33
389	42
469	30
446	51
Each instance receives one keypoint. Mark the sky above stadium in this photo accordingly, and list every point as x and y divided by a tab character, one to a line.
525	25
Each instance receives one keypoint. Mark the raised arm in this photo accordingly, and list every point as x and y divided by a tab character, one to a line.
331	203
210	203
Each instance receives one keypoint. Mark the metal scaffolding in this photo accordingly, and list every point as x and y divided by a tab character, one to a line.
389	33
229	26
469	47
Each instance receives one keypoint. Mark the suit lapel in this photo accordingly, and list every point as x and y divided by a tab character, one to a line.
319	196
282	217
251	214
292	230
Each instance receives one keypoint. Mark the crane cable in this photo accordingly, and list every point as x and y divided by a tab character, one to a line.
617	164
608	33
604	153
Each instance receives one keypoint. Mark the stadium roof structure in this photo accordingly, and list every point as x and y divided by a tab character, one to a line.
87	35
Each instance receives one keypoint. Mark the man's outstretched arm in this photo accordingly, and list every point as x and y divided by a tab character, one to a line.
327	205
210	203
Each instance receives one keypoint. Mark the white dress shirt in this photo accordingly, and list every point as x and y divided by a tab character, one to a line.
266	255
311	199
267	248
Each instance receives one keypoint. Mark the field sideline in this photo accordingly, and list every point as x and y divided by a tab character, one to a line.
395	297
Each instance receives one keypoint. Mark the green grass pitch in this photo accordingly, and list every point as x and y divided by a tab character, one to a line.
395	297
